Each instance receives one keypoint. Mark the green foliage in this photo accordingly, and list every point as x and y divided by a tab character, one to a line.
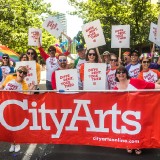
16	17
137	13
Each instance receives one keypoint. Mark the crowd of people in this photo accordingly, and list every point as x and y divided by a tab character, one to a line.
131	72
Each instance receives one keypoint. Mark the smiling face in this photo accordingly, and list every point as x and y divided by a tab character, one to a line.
5	60
21	73
134	58
91	56
113	61
145	63
62	61
30	54
81	53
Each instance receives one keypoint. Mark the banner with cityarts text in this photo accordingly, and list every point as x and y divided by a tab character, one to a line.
115	119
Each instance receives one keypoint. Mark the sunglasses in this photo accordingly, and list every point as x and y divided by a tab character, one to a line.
146	62
121	72
114	60
30	53
93	54
51	50
62	60
5	57
20	71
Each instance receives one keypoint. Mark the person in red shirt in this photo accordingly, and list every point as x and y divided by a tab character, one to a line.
124	82
62	61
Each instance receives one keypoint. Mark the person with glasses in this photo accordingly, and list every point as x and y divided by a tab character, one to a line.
62	61
5	67
124	82
16	82
51	61
91	57
111	83
32	56
147	74
106	56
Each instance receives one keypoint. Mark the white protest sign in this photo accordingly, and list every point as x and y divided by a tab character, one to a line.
31	66
32	36
120	36
93	34
53	26
153	33
67	79
94	76
158	32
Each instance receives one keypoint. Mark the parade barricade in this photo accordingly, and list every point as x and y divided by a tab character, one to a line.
119	119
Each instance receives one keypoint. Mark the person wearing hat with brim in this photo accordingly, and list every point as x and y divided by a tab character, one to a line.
80	60
106	59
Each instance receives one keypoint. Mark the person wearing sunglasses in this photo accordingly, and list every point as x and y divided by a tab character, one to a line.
32	56
62	61
16	82
51	60
111	83
91	57
6	67
125	82
147	74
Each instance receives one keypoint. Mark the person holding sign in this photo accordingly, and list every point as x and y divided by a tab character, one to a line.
91	57
62	61
51	62
147	74
124	82
80	60
111	72
16	82
32	56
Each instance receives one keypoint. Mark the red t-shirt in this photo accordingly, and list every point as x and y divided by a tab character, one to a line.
136	84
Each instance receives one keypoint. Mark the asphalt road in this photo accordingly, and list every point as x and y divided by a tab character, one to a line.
73	152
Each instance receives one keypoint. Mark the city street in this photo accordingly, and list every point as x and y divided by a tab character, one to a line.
71	152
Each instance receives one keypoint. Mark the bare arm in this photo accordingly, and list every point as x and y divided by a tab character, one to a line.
69	42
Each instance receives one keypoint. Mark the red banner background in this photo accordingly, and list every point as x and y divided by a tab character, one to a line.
118	119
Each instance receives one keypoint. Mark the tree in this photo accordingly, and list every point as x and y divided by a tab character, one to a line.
16	17
137	13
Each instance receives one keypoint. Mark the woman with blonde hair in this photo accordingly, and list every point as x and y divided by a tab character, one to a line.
16	82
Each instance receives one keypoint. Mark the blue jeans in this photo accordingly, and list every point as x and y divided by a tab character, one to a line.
48	85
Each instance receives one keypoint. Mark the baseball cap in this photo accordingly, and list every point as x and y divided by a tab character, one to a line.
79	47
5	55
106	53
